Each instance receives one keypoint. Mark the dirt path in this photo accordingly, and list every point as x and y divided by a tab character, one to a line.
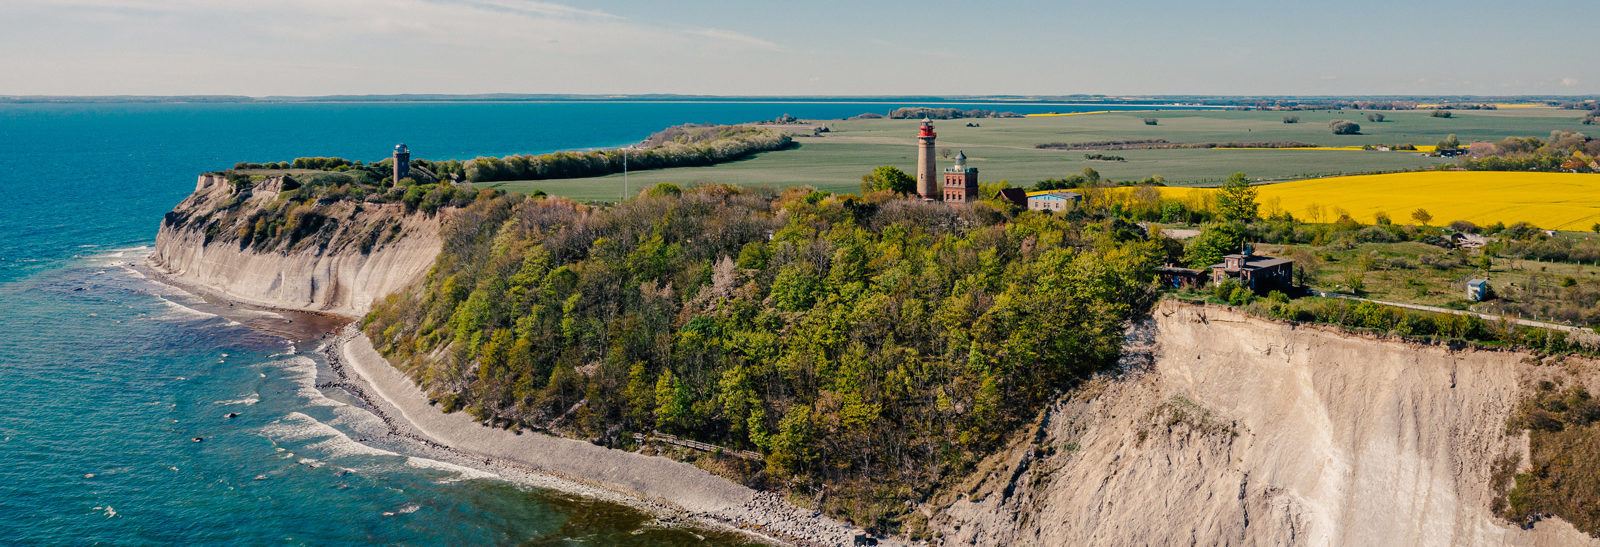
1584	334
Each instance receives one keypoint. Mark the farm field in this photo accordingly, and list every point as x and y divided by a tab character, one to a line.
1553	201
1004	148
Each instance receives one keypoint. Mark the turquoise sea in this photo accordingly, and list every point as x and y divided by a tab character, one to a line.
106	377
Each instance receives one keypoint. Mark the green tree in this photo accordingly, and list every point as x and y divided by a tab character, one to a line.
1344	127
888	177
673	404
1449	143
1091	175
1237	200
1422	216
1214	241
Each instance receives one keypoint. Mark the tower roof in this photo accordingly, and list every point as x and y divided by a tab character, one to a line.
927	128
401	149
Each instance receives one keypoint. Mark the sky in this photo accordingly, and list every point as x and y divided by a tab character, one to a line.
796	47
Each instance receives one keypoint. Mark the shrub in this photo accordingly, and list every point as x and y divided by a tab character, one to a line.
1150	121
1441	114
1376	234
1375	117
1291	119
1344	127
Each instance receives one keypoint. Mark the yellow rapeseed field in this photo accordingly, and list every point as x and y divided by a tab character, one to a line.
1553	201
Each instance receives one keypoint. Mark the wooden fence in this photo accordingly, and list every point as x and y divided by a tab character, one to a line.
697	445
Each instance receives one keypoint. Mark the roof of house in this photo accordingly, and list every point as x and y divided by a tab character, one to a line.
1013	194
1253	262
1055	194
1477	283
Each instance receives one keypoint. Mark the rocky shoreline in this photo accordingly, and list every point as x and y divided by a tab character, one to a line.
762	516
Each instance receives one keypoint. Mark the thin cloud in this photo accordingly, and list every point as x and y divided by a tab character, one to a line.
547	9
736	37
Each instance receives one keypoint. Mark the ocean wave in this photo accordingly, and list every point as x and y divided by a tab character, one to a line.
246	400
116	257
461	472
302	372
180	311
403	510
321	438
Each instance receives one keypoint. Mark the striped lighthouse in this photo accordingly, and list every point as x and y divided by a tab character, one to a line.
928	184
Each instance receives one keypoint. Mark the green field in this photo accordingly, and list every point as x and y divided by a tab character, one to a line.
1003	149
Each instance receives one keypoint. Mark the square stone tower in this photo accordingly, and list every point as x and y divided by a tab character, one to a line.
960	181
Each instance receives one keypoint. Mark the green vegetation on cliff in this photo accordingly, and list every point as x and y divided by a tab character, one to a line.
1563	478
867	347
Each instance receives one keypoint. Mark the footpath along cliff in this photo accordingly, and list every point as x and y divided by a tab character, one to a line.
1225	429
253	244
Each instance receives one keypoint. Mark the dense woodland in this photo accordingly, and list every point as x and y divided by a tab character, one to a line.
683	146
868	347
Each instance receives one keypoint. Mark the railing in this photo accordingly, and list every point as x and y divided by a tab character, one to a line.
697	445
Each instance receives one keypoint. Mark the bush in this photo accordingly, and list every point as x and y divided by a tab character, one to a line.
1344	127
1150	121
1441	114
1291	119
1375	117
1376	234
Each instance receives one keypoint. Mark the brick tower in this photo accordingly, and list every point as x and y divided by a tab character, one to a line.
927	185
961	182
402	162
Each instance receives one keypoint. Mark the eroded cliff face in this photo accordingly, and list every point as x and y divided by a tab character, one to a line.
336	257
1238	430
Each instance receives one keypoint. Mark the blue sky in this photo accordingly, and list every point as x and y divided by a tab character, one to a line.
815	47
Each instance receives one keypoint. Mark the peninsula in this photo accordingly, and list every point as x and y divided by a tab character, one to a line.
941	360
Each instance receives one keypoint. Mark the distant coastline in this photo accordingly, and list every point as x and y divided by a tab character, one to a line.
1132	100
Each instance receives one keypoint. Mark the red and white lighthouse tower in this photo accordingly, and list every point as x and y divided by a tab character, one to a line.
928	185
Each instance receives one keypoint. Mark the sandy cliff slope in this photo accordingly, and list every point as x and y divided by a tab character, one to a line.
326	271
1237	430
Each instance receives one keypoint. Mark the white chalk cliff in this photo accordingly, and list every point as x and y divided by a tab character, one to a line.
359	253
1240	430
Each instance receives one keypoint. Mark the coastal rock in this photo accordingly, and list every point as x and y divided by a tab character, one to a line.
1224	428
361	251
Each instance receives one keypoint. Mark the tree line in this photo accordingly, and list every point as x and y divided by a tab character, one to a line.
685	146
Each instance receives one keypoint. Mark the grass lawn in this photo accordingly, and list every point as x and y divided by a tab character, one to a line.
1394	272
1003	149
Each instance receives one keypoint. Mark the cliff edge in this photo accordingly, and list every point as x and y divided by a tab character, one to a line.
1230	429
258	243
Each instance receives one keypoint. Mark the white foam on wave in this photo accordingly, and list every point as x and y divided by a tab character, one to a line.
462	472
302	371
180	311
117	257
248	400
323	439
